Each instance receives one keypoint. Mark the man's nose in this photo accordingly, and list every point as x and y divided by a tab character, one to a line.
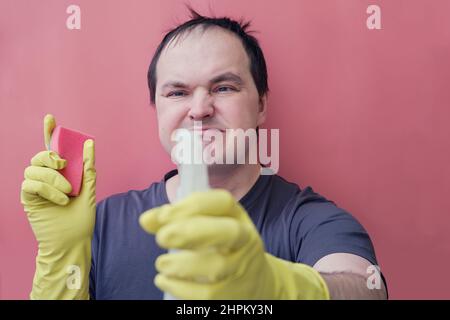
201	106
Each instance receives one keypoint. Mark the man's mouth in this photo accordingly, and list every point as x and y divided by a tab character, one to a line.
204	129
207	133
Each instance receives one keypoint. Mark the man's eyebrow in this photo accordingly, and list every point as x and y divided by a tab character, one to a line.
174	84
227	76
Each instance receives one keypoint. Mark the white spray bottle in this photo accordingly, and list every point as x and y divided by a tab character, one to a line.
193	173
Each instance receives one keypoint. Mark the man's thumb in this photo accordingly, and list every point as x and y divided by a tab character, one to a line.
88	160
49	125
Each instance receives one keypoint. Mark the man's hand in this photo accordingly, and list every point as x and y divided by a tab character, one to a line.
221	254
62	226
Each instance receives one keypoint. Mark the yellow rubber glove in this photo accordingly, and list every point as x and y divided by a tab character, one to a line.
62	226
222	255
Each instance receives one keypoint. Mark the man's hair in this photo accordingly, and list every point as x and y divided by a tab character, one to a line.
258	67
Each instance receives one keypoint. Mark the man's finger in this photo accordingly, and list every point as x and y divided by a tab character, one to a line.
45	191
89	159
204	266
49	176
223	233
48	159
191	290
49	125
215	202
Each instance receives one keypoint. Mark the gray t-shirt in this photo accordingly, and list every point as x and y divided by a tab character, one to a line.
295	225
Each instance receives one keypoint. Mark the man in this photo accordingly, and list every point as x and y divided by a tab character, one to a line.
252	237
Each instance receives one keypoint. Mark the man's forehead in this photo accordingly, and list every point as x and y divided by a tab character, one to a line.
203	39
209	52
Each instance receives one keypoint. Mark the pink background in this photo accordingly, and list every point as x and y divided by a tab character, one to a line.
363	114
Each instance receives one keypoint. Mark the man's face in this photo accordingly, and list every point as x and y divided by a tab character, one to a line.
205	76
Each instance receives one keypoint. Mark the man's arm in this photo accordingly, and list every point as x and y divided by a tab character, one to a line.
346	276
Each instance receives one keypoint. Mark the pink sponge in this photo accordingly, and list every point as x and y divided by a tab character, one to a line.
69	145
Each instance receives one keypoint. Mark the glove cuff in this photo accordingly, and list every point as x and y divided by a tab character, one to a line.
63	275
297	281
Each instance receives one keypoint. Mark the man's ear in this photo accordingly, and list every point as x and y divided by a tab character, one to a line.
262	112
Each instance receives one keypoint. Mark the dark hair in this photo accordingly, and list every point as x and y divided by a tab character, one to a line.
258	67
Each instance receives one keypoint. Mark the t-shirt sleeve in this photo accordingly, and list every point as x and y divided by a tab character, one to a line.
320	228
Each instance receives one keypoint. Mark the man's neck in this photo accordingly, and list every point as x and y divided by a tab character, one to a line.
238	180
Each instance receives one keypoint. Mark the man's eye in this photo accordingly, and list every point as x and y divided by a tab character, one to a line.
225	89
176	94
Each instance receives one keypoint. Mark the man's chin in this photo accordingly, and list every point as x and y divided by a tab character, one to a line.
221	168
